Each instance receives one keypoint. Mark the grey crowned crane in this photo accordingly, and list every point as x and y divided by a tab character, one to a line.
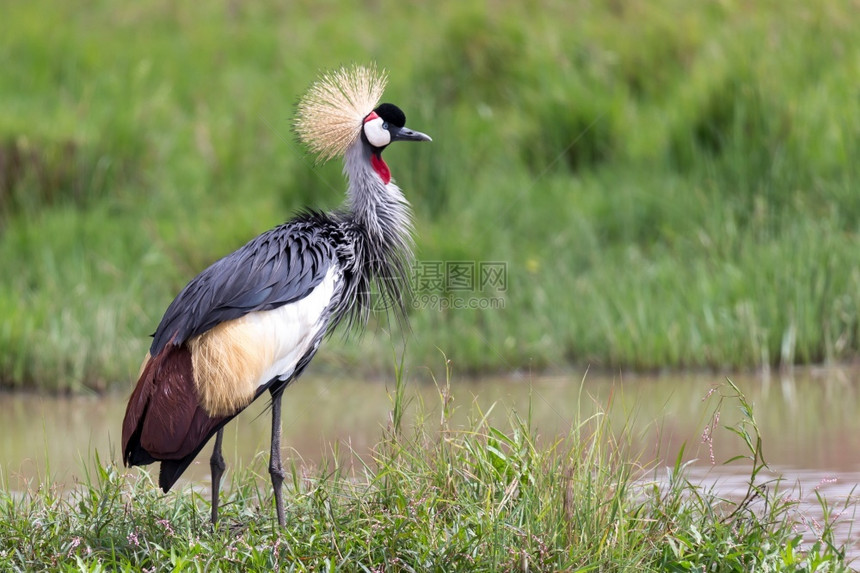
251	322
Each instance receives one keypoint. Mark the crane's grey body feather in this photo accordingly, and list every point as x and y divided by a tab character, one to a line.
276	268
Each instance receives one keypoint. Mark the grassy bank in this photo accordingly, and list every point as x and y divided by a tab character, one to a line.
437	498
667	184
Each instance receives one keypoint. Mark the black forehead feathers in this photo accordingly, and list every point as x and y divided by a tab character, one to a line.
392	114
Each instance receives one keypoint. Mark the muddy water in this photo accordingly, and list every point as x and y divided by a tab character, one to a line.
809	421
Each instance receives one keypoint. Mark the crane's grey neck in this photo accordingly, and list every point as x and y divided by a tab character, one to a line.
381	208
379	219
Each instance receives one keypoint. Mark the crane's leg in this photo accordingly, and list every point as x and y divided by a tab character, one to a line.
216	466
276	470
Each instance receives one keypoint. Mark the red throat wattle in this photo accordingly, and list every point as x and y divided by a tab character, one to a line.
381	168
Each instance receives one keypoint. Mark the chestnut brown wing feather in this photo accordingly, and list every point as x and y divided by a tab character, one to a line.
163	419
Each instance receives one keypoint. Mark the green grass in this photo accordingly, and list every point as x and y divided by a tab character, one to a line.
484	497
670	185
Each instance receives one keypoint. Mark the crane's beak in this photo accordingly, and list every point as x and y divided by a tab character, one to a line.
406	134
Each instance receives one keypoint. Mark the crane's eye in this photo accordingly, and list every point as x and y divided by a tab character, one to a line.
377	132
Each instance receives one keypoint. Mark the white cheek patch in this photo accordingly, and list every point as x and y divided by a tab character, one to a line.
376	134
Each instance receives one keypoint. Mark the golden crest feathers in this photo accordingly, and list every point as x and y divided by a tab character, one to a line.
330	114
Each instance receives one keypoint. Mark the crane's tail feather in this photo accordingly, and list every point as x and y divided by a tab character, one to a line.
171	470
164	420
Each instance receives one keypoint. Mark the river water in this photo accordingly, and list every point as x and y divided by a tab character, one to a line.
808	419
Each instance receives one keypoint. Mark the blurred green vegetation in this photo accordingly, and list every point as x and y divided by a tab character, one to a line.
670	184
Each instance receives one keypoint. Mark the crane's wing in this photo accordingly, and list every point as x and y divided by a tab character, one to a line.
287	276
274	269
